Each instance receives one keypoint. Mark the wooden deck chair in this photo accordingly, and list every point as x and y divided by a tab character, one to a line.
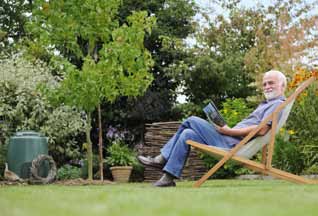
245	149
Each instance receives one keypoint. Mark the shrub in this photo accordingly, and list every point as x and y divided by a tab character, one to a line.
68	172
311	170
234	111
287	155
23	107
183	111
304	119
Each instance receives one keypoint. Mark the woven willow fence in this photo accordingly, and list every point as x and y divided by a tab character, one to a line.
157	134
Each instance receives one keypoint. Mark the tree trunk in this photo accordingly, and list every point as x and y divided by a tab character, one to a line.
89	147
100	144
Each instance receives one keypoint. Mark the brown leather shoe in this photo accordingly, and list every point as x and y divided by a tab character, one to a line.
149	161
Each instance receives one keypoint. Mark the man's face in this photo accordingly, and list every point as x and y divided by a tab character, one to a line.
272	86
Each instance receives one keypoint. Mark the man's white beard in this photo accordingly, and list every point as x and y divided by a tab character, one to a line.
270	95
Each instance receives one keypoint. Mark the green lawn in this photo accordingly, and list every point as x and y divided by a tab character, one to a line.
218	197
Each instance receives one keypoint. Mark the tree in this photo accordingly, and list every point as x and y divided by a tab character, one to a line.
285	38
13	15
174	24
102	59
237	48
215	69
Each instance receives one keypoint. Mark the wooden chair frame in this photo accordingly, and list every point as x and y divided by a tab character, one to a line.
267	152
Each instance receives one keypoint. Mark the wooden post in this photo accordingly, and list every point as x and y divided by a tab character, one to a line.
100	144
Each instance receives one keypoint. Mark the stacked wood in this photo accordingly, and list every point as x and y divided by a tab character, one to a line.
156	135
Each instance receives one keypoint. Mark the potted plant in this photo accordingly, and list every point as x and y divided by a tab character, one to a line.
121	160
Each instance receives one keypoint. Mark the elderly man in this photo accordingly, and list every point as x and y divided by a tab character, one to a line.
175	152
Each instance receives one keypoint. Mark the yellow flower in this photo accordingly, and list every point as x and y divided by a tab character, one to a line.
281	131
225	111
291	132
305	94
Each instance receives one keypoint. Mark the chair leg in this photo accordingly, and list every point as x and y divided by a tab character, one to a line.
210	172
202	179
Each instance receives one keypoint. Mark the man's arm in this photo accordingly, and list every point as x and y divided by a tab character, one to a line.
226	130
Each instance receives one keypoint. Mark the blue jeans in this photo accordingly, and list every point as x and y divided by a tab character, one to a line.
176	151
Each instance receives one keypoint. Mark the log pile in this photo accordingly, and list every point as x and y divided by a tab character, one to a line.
156	135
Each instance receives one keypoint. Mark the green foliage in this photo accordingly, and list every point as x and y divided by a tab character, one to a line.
287	155
183	111
311	170
167	47
235	110
123	63
215	66
229	170
122	70
23	107
84	168
62	24
64	126
304	120
68	172
120	155
14	14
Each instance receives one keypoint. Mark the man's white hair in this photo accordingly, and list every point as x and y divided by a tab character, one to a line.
280	75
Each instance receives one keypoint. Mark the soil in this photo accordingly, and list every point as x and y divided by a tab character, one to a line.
80	181
5	183
70	182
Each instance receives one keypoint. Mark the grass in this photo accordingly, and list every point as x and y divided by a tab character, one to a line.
216	197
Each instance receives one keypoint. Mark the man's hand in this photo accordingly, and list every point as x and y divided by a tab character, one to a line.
223	130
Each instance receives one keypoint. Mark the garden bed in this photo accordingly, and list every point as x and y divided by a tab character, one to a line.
80	182
69	182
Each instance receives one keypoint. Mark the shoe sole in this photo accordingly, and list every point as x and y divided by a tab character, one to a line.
147	163
172	184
